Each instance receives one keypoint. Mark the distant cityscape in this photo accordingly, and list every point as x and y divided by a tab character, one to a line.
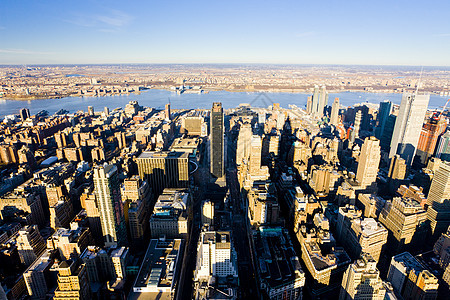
58	81
321	202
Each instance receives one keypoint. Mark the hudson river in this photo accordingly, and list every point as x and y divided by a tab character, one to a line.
158	98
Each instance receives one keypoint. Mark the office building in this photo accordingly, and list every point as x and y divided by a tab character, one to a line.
217	140
382	116
30	244
194	126
319	100
397	168
160	271
107	192
439	200
90	110
263	207
215	256
170	214
90	205
408	126
279	270
163	169
356	126
405	219
334	118
371	205
431	130
386	136
70	242
37	275
208	213
244	144
410	279
24	114
309	105
136	196
167	114
362	281
443	148
368	162
73	282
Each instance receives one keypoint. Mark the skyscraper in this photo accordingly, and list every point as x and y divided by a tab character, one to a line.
386	136
334	118
383	114
107	192
167	112
369	160
443	149
429	135
24	114
319	100
362	280
356	126
408	126
217	145
438	200
243	143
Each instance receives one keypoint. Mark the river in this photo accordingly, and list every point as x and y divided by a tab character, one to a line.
158	98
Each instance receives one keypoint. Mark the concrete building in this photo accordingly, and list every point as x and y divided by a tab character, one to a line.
136	196
397	168
30	244
217	148
160	271
216	256
107	192
410	279
405	219
37	275
244	143
263	207
334	118
368	162
408	126
431	130
208	213
362	281
170	214
73	282
22	205
164	169
279	270
70	242
439	200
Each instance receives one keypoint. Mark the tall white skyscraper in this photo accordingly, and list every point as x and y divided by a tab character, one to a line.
369	160
334	118
408	126
319	100
243	143
107	191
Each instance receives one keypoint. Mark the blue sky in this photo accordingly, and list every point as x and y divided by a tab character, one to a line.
394	32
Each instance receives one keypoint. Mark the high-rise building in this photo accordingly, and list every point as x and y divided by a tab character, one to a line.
217	140
362	281
215	256
107	192
36	275
163	169
356	126
255	155
429	135
167	112
383	114
405	219
309	105
30	244
410	279
334	118
243	143
397	168
90	110
319	100
90	205
408	126
439	200
136	196
443	149
386	135
368	163
73	282
24	113
70	242
263	207
170	214
208	213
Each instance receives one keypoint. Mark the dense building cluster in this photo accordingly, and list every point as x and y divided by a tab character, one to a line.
246	203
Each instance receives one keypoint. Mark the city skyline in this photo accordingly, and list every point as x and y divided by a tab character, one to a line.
269	32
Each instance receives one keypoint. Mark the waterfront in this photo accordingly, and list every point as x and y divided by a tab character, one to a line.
158	98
